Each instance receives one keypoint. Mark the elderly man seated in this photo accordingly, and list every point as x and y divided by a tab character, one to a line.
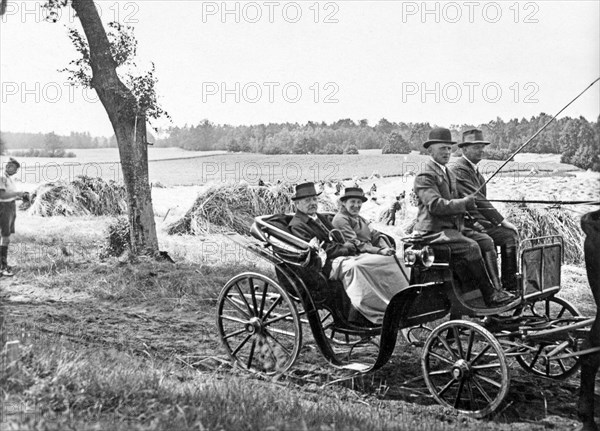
370	280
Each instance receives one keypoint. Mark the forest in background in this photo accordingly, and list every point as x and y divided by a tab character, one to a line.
577	139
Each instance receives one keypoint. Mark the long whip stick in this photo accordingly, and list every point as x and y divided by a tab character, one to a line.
533	137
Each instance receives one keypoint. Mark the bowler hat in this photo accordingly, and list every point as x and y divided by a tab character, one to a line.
13	160
473	136
353	192
305	190
439	135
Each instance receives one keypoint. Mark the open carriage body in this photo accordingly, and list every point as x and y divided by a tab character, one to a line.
464	360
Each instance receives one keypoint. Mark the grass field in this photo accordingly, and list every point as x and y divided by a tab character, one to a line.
115	345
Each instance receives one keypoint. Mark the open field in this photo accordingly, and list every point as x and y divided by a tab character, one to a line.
174	166
115	345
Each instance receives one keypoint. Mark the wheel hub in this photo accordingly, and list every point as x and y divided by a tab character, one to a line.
461	369
254	326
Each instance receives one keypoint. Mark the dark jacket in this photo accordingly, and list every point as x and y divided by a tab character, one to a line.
438	202
468	181
306	228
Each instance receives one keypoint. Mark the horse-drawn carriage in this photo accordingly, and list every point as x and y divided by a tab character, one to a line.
464	360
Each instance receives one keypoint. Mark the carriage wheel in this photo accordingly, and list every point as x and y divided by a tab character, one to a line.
465	368
549	309
258	324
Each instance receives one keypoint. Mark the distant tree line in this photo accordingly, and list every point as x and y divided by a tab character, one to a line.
26	141
575	138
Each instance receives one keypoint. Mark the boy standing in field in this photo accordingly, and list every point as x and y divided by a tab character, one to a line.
8	211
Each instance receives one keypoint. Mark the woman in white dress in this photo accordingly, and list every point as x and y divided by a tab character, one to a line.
375	275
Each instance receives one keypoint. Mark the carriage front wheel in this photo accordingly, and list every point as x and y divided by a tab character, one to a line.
258	324
465	368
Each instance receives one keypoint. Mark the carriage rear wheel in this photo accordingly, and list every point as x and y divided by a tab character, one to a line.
549	309
258	324
465	368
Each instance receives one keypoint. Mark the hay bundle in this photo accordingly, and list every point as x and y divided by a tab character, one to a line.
83	196
233	207
535	221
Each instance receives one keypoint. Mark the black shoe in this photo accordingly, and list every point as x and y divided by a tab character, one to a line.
499	298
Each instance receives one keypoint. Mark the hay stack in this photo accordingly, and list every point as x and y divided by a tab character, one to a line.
535	221
83	196
230	207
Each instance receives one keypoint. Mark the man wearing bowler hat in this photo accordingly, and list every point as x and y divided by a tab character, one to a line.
484	217
441	217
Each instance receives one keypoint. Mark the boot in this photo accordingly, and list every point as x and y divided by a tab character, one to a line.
509	268
500	296
491	265
475	275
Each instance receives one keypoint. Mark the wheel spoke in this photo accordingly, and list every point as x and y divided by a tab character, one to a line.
253	293
457	341
447	347
441	358
234	319
272	307
488	380
263	299
244	298
237	306
459	393
448	386
233	334
480	354
487	366
561	365
561	312
276	319
282	332
244	341
287	352
535	357
441	372
471	397
470	345
251	355
482	391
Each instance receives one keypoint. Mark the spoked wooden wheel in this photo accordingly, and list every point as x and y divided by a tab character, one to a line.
258	324
550	309
465	368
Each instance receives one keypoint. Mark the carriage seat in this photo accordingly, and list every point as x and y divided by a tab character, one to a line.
296	255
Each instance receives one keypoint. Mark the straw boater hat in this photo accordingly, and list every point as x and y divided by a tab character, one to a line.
305	190
471	137
439	135
353	192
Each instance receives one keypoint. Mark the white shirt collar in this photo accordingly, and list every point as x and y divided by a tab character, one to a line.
442	167
473	165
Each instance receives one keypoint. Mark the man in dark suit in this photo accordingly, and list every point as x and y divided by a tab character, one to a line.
314	228
484	217
441	218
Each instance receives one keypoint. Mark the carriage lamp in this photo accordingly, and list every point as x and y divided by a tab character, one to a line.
424	256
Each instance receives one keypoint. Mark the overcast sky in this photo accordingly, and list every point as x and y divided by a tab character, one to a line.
276	61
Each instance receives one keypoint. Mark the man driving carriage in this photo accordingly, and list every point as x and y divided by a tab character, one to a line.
485	218
441	220
370	280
